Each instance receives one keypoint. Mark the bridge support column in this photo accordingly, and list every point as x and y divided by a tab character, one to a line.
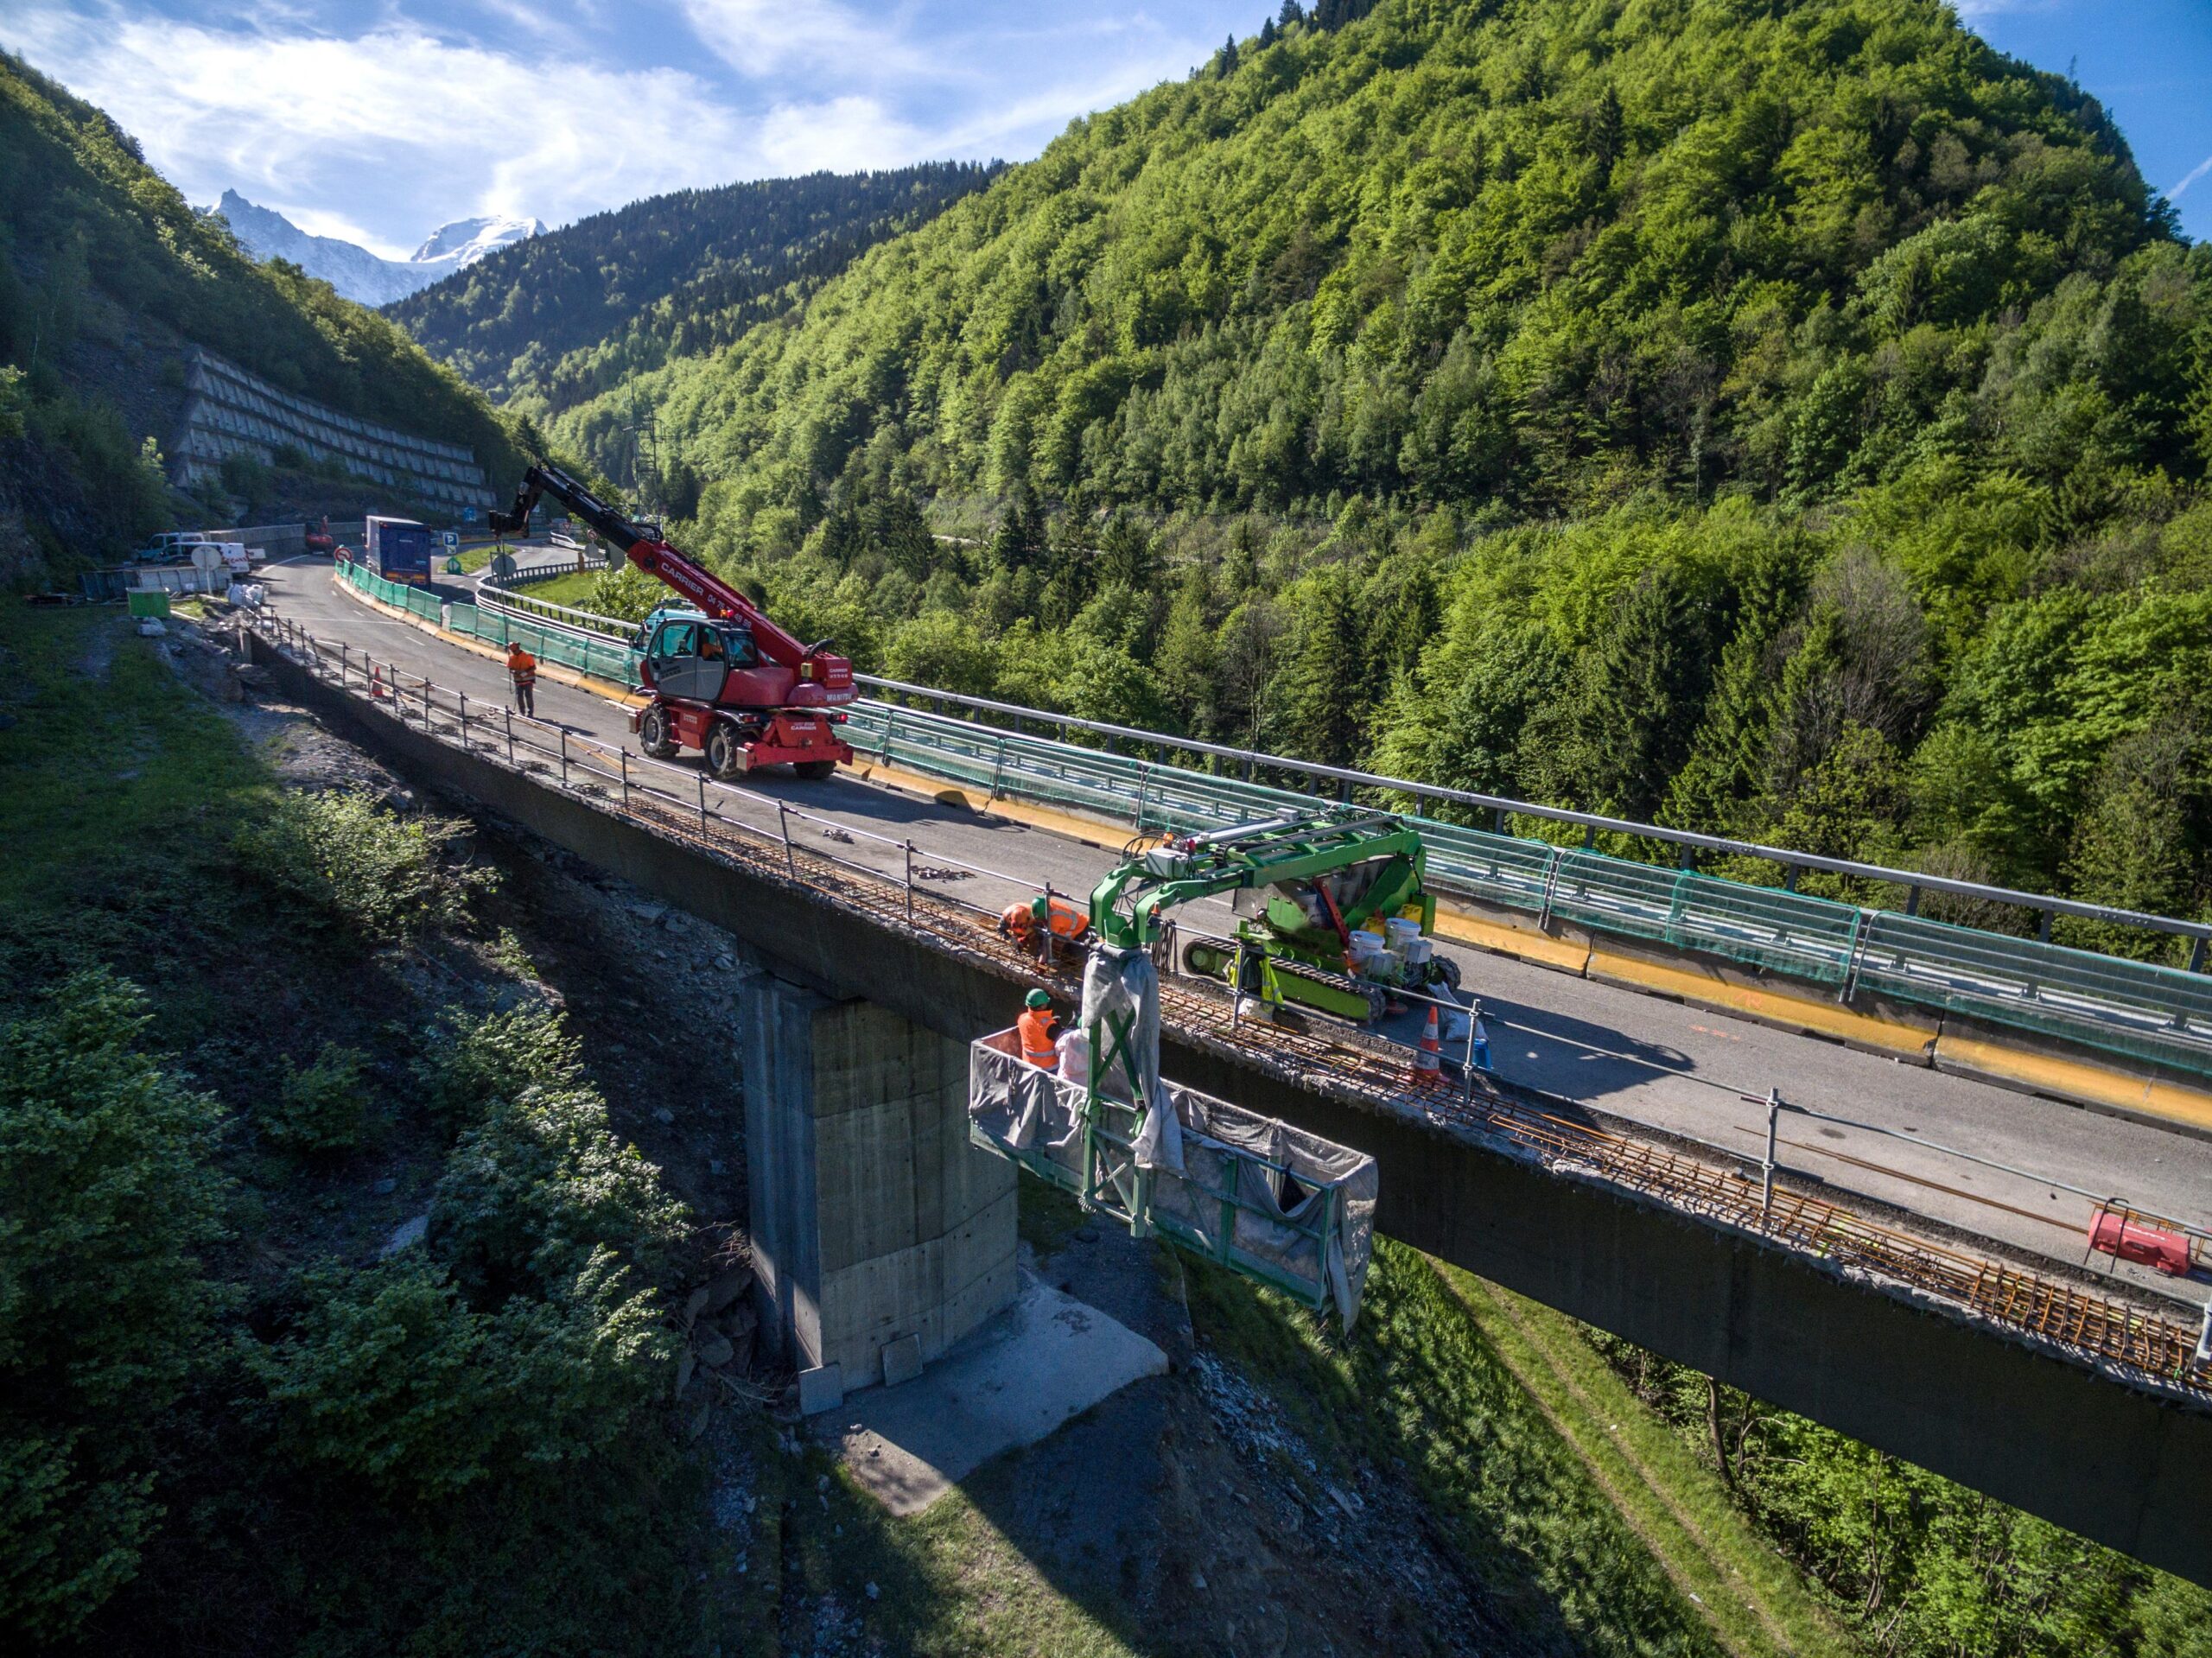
881	1236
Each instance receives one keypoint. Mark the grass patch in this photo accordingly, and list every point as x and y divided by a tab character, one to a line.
1419	1386
106	769
1755	1602
573	590
947	1582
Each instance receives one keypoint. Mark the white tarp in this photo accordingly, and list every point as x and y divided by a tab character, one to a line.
1120	990
1245	1189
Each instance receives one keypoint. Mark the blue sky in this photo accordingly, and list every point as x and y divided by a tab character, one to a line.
378	120
2148	61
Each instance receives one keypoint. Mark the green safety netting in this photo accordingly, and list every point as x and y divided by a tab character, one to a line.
2127	1008
603	658
1785	932
2121	1006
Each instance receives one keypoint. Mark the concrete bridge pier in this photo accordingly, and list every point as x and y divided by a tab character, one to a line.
881	1236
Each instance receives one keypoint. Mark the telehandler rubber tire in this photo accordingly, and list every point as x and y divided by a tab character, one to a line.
725	753
655	735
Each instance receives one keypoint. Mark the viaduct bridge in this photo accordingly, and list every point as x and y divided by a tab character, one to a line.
1914	1301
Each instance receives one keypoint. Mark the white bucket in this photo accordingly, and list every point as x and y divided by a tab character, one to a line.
1400	930
1365	946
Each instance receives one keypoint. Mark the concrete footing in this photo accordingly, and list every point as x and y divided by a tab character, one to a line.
881	1236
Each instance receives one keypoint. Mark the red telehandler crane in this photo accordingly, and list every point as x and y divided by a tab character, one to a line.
724	680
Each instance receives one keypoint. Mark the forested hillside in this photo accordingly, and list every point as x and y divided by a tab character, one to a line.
1782	418
564	315
104	272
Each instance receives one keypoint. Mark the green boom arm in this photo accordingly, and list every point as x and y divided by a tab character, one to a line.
1125	906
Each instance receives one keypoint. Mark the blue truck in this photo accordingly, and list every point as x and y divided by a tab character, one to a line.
398	550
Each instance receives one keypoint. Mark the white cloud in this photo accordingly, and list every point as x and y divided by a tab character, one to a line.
2195	174
379	133
759	38
395	128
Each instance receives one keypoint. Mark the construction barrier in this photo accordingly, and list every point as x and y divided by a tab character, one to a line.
602	658
2136	1009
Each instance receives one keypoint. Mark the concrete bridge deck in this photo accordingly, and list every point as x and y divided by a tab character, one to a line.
1645	1059
1797	1325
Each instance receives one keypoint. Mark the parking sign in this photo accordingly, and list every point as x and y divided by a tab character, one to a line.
452	539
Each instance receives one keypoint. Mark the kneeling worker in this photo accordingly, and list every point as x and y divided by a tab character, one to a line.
1031	921
1035	1029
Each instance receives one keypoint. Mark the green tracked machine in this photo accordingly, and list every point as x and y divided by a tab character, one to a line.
1301	886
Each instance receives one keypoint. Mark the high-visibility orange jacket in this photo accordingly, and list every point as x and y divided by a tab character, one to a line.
523	668
1020	920
1035	1026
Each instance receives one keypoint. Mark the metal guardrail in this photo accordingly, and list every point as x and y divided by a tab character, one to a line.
2108	1334
2133	1010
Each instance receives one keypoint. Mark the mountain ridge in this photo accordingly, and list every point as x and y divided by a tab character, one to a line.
559	316
364	277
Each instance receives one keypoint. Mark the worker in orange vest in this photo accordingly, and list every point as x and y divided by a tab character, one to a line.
1035	1029
1027	923
522	667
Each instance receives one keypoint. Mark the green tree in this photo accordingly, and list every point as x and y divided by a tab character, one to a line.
537	1188
2139	846
107	1203
1635	702
390	1376
1322	706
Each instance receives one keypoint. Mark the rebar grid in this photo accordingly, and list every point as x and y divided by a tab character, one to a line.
2105	1332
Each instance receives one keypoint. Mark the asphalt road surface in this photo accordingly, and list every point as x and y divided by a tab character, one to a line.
1638	1057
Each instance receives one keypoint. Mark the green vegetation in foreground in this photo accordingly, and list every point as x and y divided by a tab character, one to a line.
226	1423
1418	1387
1789	421
1578	1474
1913	1564
1679	1509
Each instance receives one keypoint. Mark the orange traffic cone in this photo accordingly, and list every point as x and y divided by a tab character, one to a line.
376	683
1429	1060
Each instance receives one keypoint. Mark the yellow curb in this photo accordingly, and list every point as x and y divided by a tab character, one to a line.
560	674
1503	939
1087	830
1819	1016
2048	1074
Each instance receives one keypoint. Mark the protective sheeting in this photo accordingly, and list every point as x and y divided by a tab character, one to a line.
1121	1014
1264	1199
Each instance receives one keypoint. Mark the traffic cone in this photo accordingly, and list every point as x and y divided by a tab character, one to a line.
376	684
1429	1060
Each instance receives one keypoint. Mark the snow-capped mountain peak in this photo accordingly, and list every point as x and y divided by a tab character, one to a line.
466	240
353	270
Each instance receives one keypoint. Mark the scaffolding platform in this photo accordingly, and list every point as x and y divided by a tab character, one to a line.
1257	1196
